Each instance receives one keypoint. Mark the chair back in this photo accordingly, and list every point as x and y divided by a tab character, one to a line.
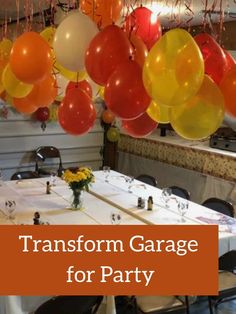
71	304
228	261
147	179
21	175
181	192
47	152
220	206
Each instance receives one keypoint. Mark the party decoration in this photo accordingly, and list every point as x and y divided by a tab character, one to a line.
5	50
113	134
230	61
13	86
101	92
71	40
69	75
30	59
106	51
107	116
139	127
42	114
214	58
125	94
228	89
103	13
145	24
173	70
201	115
53	113
140	50
158	113
76	113
24	105
83	85
44	92
48	35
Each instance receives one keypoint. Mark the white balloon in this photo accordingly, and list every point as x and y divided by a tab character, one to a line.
72	39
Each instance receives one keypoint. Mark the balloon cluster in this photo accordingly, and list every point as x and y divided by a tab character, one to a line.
145	78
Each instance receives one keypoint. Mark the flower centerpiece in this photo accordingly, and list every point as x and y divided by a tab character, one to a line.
78	181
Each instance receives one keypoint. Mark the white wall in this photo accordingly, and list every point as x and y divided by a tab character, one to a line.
20	136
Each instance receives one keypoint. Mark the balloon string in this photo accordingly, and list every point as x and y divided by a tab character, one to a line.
5	25
17	16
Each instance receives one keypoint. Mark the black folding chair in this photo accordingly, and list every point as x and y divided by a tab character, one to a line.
220	206
71	305
227	280
44	153
147	179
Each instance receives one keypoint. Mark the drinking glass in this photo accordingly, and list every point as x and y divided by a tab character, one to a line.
166	196
106	171
129	180
183	206
53	179
10	207
115	218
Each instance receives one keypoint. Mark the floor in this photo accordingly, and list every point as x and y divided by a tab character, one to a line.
201	307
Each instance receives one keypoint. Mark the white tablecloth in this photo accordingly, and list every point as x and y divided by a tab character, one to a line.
105	199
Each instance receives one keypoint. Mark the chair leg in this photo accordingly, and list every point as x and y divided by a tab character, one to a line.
187	304
210	305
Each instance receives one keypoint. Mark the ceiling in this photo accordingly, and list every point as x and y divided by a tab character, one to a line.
186	11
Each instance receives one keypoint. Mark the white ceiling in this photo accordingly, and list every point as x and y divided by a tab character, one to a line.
167	9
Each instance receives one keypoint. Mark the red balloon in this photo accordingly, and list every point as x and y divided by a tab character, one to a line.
76	113
230	61
125	94
83	85
140	49
42	114
30	58
140	127
145	24
214	58
107	49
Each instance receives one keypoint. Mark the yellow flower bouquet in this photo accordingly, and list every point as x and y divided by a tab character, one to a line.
78	180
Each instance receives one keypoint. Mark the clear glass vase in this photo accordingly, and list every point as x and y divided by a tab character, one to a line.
77	200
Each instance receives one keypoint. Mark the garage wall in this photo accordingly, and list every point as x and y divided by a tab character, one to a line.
20	136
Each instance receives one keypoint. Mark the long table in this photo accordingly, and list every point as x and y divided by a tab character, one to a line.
117	196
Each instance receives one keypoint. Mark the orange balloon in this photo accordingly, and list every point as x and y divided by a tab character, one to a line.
43	93
102	12
228	89
140	49
23	105
31	59
107	116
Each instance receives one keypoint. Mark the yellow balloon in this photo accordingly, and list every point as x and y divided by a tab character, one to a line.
48	34
158	113
201	115
5	49
173	70
101	92
71	76
13	86
9	99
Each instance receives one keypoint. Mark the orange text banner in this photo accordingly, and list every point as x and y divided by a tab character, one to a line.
109	260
